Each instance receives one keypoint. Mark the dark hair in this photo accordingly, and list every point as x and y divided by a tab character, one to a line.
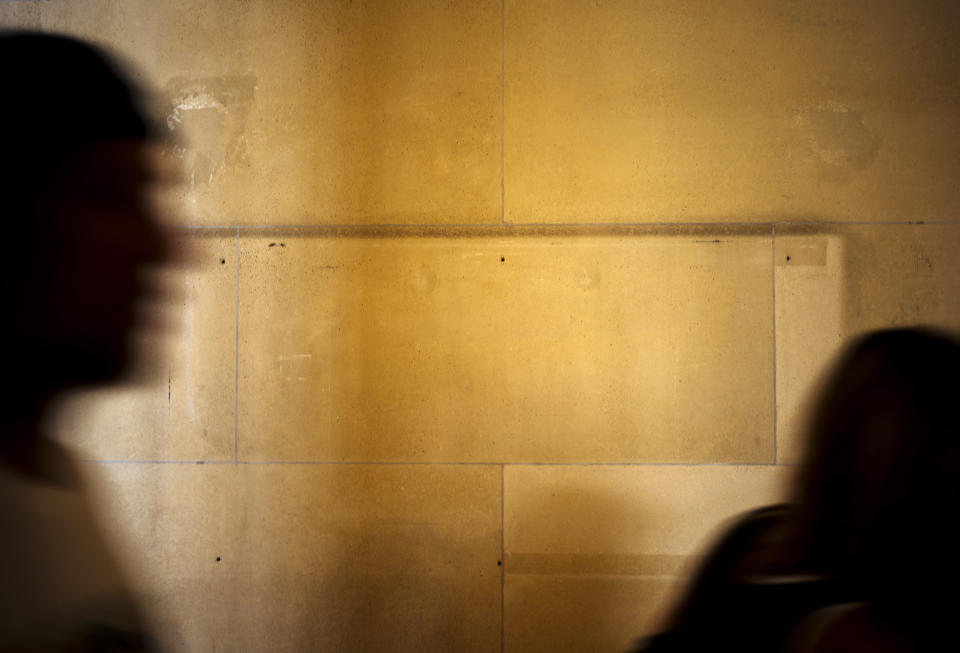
63	94
60	96
871	520
877	492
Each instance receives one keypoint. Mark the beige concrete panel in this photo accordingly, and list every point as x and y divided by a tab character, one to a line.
175	528
901	275
369	558
20	15
179	401
311	557
810	326
626	519
850	279
582	613
318	112
506	349
730	111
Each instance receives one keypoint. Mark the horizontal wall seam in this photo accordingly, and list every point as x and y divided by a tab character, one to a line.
420	463
598	564
529	230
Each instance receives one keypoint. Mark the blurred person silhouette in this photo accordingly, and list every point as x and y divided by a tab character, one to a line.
79	235
864	557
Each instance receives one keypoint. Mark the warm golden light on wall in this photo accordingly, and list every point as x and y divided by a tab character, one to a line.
566	275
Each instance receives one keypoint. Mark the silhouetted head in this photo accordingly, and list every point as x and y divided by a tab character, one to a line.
878	491
73	177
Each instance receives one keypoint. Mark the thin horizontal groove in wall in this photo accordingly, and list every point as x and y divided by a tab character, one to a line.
504	231
425	463
531	230
96	461
598	564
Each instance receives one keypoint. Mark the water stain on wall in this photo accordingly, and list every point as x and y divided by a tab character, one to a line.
839	140
208	118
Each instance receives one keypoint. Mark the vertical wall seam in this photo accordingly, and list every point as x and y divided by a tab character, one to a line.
236	353
503	110
773	283
503	567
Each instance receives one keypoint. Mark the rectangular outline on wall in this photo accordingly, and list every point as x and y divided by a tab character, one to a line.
236	357
503	566
773	282
503	110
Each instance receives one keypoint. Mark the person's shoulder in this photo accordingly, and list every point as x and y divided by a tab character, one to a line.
60	465
743	571
745	536
40	461
760	519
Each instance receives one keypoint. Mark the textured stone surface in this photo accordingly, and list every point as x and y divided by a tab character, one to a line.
298	112
680	111
312	557
837	281
643	510
484	349
582	345
583	612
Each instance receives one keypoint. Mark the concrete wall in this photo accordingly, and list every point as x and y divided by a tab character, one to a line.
498	309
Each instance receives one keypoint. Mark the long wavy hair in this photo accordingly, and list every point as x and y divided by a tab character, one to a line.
877	493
